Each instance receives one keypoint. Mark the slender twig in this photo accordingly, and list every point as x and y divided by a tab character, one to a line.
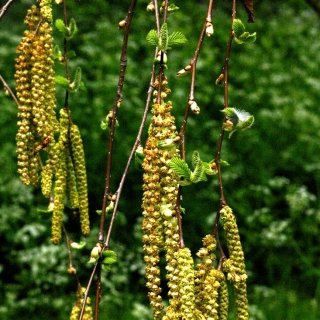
123	65
136	144
7	88
193	64
5	8
223	201
117	101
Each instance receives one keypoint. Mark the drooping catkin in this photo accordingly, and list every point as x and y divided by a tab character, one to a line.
235	266
159	197
81	177
72	190
59	194
35	90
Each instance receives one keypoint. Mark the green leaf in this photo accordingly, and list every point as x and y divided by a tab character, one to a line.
199	173
240	35
163	39
78	245
152	37
109	257
180	167
72	29
177	38
238	28
61	26
77	84
62	81
195	159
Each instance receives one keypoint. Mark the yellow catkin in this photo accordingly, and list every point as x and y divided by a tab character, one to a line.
59	194
35	90
223	299
186	283
72	191
235	266
159	197
81	176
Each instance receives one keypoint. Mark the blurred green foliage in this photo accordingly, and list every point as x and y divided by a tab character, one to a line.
272	184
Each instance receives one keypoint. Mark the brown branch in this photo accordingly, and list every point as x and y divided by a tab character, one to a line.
193	64
5	8
7	88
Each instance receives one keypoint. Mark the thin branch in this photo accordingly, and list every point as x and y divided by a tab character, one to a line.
193	64
223	201
315	5
123	64
7	88
5	8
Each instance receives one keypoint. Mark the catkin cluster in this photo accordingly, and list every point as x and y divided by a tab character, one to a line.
76	309
35	91
68	168
159	197
235	266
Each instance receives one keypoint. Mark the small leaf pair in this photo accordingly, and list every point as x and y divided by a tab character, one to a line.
240	35
74	86
201	169
237	120
68	31
164	41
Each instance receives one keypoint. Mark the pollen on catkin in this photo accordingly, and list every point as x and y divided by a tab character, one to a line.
235	266
81	177
35	90
160	191
59	194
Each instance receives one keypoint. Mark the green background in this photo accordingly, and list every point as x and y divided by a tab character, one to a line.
272	182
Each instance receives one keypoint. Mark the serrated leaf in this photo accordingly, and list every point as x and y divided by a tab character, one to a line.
238	28
152	37
195	159
199	173
177	38
110	257
180	167
163	38
62	81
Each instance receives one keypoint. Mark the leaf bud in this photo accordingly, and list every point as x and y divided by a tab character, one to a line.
194	107
209	29
151	7
122	24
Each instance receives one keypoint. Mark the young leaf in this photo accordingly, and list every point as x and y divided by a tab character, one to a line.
199	173
62	81
163	39
152	37
61	26
78	245
110	257
195	159
177	38
180	167
240	35
240	120
72	29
